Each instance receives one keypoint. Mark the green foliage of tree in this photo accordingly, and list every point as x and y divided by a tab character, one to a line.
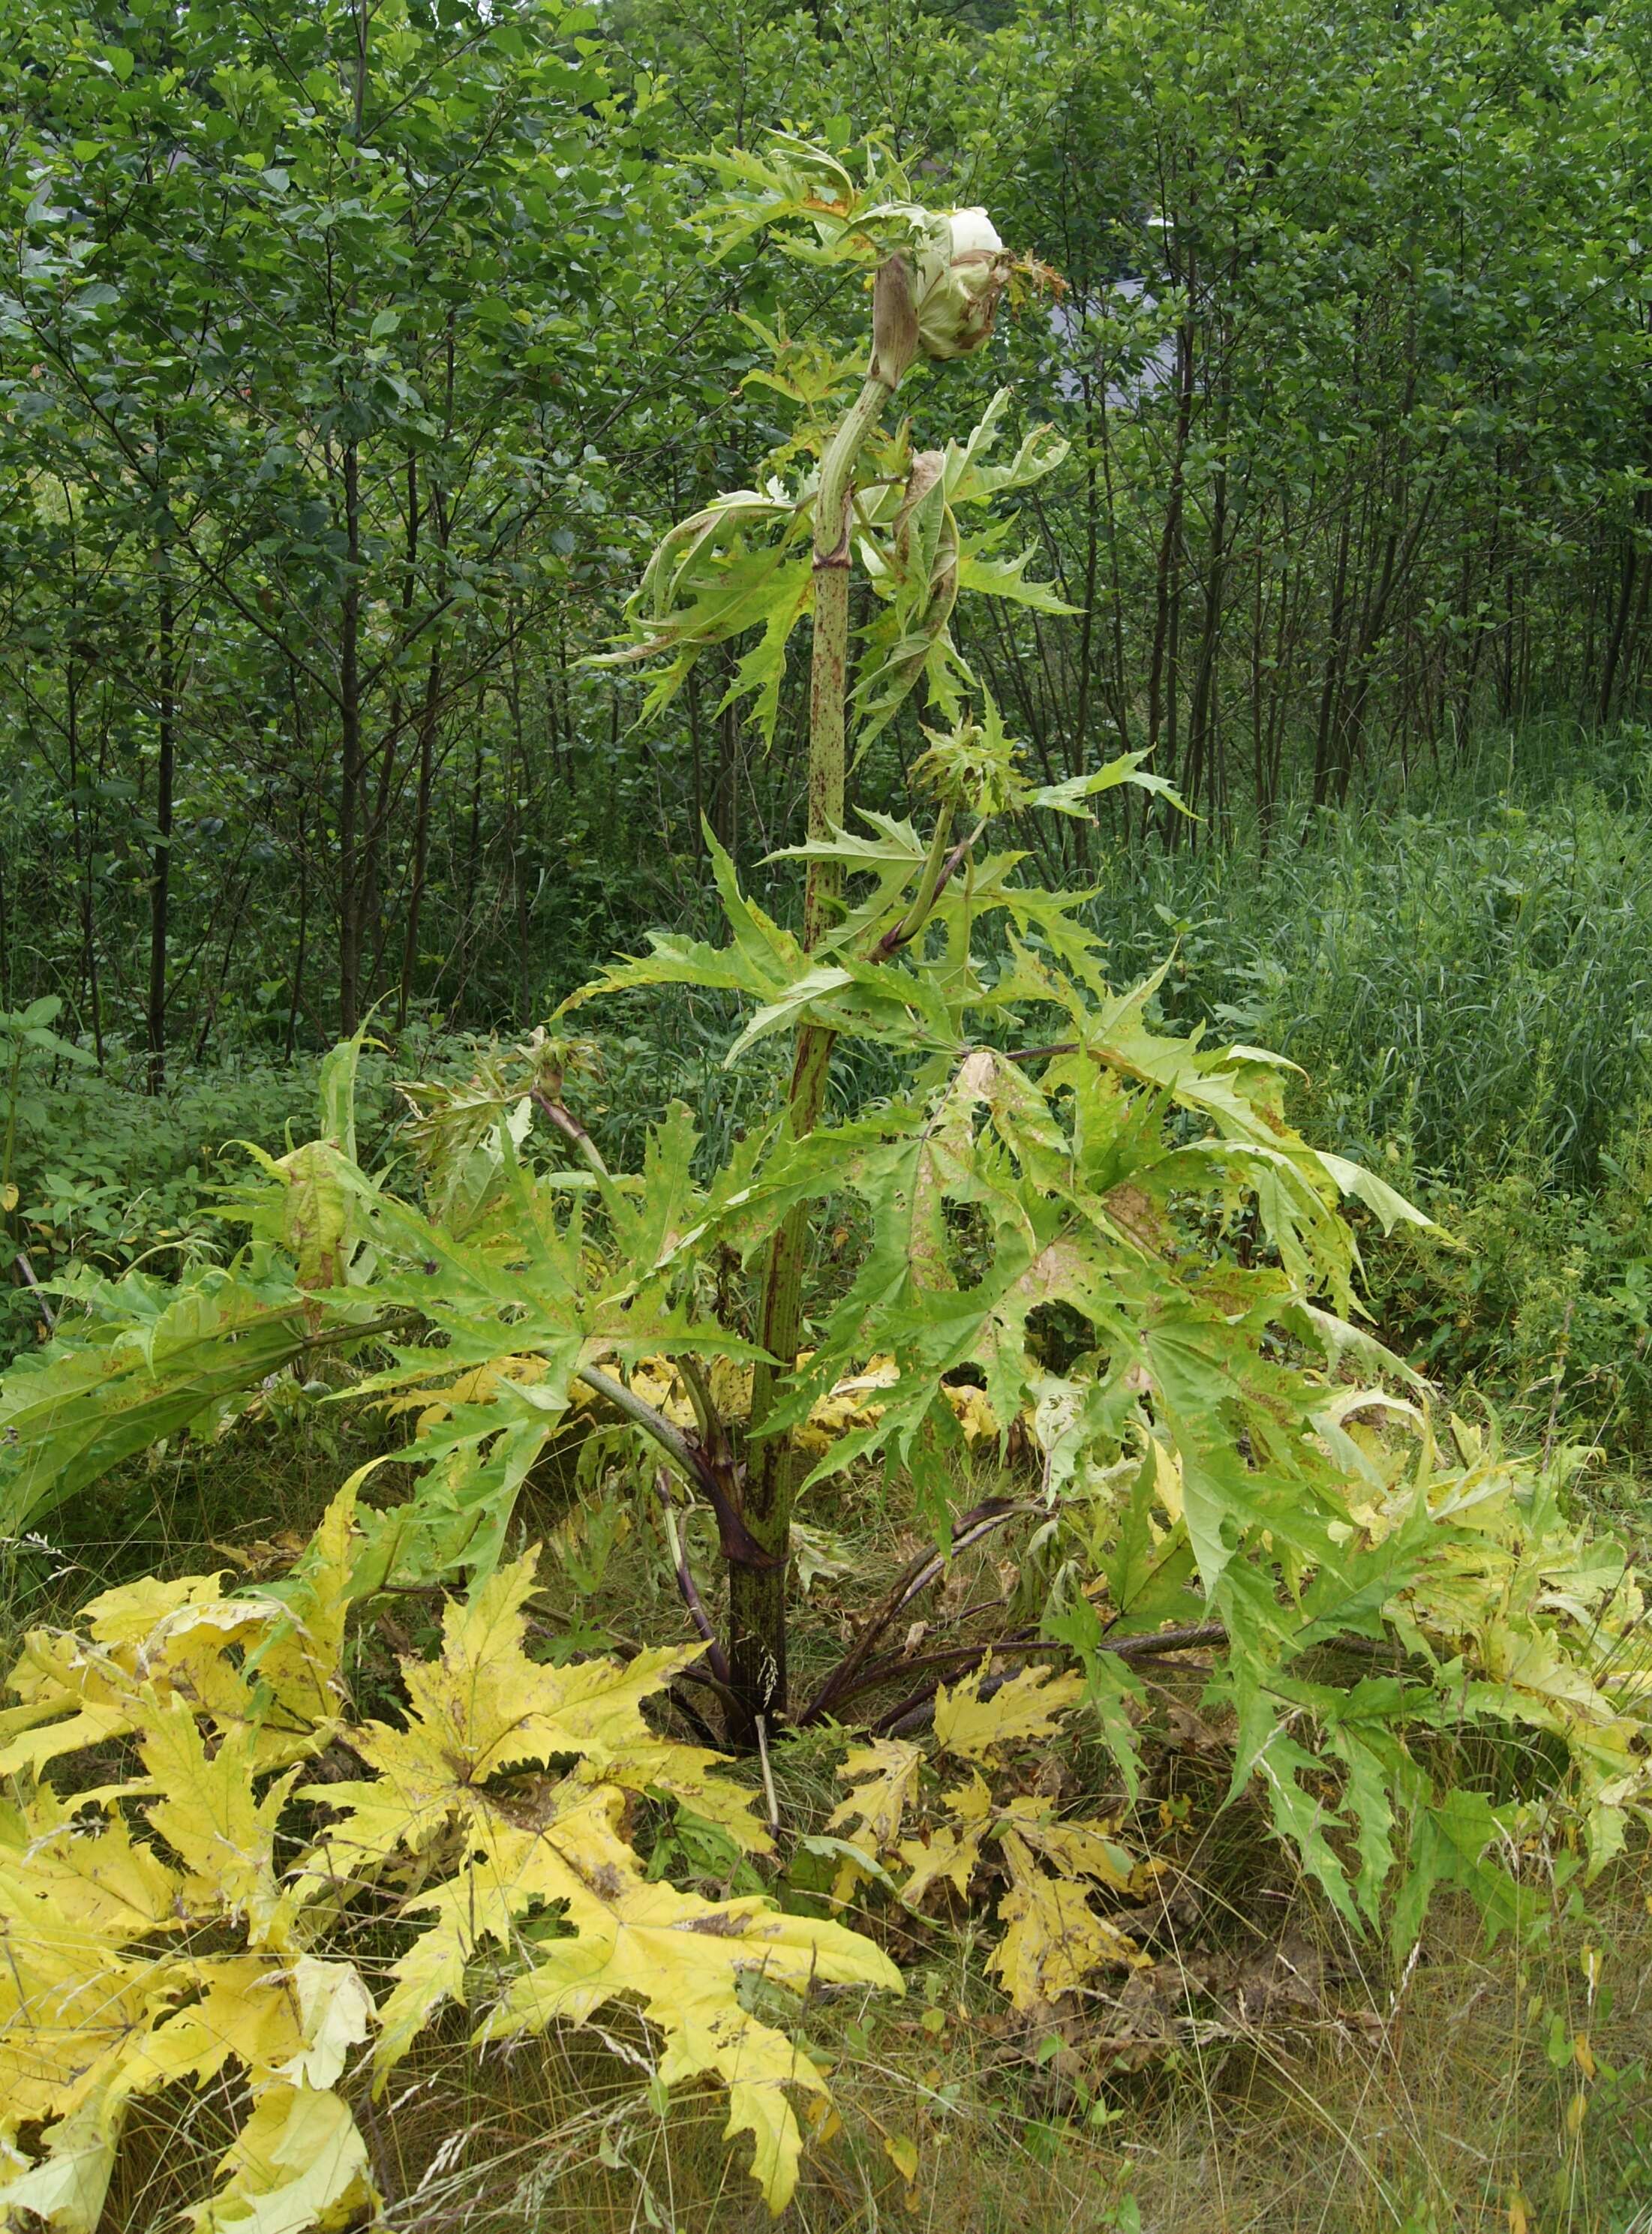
1350	364
312	343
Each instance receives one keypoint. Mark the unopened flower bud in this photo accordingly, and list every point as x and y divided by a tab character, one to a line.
963	269
894	322
971	766
927	468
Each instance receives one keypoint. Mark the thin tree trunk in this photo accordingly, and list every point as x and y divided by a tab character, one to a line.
1335	656
725	789
697	763
296	994
1619	627
161	857
1200	719
420	836
1165	601
84	849
352	802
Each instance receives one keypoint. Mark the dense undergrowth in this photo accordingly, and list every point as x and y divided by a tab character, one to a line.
1460	970
1239	2002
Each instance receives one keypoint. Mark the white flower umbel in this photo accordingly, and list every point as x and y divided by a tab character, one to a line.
963	269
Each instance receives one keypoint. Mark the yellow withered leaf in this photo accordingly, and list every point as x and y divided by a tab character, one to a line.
106	1992
485	1709
949	1852
533	1765
848	1405
970	1408
517	1869
298	1660
95	1875
296	2022
1027	1705
505	1790
682	1958
593	1707
32	1737
69	2005
731	1387
485	1706
1076	1849
298	2162
125	1619
953	1849
68	2186
885	1777
688	1774
1055	1939
335	2014
657	1382
232	2005
435	1402
256	1663
210	1818
903	2154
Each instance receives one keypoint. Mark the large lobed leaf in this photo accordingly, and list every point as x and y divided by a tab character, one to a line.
152	1932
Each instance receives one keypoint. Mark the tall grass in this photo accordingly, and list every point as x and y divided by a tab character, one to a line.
1461	963
1465	973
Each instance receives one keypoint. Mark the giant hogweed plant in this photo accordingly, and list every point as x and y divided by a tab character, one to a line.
1221	1457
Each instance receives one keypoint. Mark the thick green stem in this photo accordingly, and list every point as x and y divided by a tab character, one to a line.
937	869
757	1595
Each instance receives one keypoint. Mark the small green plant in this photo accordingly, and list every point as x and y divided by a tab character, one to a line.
25	1036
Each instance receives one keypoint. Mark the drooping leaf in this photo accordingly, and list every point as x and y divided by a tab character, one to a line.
1021	1706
